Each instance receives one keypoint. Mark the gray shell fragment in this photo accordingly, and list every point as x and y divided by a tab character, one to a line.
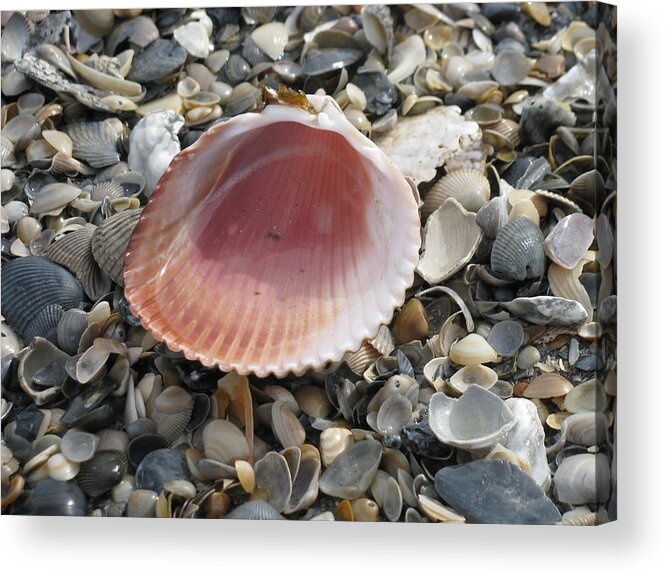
518	251
547	310
352	472
495	491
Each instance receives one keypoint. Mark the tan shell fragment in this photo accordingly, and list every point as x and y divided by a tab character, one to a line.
546	386
451	239
286	426
473	349
587	396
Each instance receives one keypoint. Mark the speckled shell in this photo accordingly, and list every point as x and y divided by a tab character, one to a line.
299	240
30	284
518	251
110	240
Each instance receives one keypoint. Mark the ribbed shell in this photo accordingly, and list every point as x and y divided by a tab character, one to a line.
470	187
45	324
253	510
99	474
74	251
110	241
95	143
15	36
171	412
518	251
109	189
294	242
30	284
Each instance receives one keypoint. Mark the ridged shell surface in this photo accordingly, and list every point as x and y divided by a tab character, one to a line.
300	240
45	324
470	187
94	143
254	510
74	251
110	240
30	284
518	251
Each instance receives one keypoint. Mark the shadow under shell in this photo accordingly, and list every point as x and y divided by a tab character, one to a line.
263	251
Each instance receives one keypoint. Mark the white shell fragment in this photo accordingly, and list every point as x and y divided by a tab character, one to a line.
451	239
271	39
153	144
420	144
569	240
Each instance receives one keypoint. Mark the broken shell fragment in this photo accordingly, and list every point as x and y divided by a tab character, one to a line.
569	240
451	239
279	269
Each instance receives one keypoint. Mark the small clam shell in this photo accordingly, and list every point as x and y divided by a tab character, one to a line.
436	511
406	58
475	422
224	442
583	478
352	472
99	474
332	442
96	22
569	240
51	497
394	414
547	385
74	251
472	374
52	198
286	426
60	468
273	475
588	428
71	326
255	510
411	323
78	446
94	142
452	237
313	401
59	141
171	412
91	365
518	251
142	503
378	27
473	349
587	396
364	509
41	355
470	187
506	337
525	208
492	217
110	241
271	39
511	67
246	476
387	494
30	284
15	35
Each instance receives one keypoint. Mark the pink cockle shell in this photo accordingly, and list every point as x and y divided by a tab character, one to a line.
276	243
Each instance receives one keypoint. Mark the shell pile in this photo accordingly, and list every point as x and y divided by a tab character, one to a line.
488	397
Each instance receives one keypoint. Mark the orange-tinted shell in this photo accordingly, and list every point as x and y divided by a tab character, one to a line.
274	244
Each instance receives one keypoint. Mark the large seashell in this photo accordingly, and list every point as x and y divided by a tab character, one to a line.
110	241
470	187
475	422
32	283
171	412
283	250
451	239
75	253
518	251
583	478
94	142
